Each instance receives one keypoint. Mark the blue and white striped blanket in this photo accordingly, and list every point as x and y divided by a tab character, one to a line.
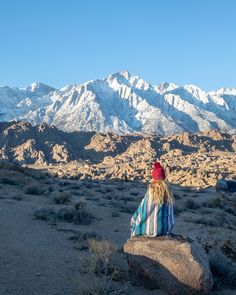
152	219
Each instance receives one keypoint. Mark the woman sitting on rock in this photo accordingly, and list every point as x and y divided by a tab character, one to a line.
155	214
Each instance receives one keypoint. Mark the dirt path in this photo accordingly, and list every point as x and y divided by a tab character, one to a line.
35	259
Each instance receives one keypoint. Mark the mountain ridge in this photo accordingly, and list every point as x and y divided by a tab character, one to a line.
122	103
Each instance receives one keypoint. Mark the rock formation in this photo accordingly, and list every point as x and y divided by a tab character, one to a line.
175	264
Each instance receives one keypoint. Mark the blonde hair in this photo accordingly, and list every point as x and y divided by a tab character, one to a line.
160	192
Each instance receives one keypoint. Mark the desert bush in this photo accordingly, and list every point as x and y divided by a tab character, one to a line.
177	196
214	203
45	214
85	236
97	267
126	198
128	208
81	216
89	185
121	188
231	211
34	189
115	214
9	180
80	204
191	204
108	189
51	188
134	193
207	221
177	210
61	198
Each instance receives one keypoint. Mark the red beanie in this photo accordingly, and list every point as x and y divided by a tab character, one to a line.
158	172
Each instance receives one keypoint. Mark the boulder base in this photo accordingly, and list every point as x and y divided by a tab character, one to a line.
175	264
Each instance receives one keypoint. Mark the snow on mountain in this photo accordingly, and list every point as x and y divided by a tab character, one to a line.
122	103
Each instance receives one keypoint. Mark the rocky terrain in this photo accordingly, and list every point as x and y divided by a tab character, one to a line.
66	207
190	159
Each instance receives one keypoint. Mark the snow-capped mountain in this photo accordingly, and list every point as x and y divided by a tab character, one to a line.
122	103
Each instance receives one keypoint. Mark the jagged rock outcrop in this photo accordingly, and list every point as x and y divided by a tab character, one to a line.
197	160
175	264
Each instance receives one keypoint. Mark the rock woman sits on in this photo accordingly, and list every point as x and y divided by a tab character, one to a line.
155	214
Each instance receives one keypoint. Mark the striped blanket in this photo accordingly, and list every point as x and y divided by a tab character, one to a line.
152	219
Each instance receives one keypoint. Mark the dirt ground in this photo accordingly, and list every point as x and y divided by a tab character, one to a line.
42	257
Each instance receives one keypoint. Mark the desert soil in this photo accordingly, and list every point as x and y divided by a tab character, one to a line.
41	257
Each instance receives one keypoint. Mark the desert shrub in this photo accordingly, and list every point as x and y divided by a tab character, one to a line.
45	214
207	221
81	216
89	185
97	268
61	198
191	204
177	196
231	211
38	175
51	188
214	203
84	236
9	180
134	193
108	189
205	211
115	214
177	210
64	183
34	189
128	208
80	204
121	188
126	198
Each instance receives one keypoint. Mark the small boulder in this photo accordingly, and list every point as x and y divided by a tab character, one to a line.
175	264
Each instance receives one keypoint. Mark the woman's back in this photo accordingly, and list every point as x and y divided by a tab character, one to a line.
155	214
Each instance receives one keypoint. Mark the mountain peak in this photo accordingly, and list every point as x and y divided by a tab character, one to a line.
39	88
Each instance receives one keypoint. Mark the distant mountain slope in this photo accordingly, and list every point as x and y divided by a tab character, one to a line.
122	103
42	144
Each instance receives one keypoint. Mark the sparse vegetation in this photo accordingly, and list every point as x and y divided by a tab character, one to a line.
8	180
34	189
80	204
191	204
81	216
115	214
61	198
97	268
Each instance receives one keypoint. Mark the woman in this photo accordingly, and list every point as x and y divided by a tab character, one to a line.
155	214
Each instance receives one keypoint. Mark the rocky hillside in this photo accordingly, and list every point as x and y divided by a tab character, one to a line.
122	103
193	159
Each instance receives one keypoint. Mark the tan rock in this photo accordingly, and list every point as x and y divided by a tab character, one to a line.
176	264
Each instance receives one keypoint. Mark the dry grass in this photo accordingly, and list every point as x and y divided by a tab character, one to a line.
98	273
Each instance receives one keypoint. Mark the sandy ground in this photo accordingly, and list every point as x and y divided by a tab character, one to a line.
34	257
38	258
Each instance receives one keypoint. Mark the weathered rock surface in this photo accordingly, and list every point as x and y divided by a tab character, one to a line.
175	264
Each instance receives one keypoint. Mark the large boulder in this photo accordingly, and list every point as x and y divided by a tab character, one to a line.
175	264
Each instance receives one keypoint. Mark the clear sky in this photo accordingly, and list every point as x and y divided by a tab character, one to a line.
61	42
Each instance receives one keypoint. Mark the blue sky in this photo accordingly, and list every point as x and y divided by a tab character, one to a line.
61	42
